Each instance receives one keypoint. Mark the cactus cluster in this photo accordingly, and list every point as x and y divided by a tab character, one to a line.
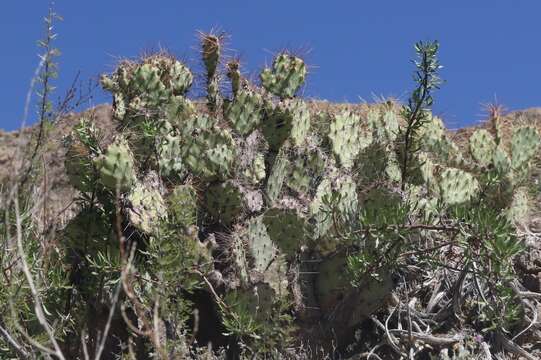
272	201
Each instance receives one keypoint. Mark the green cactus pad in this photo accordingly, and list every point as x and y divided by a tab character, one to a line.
119	106
426	169
170	156
233	73
306	170
210	154
224	202
482	147
519	209
435	141
286	228
286	76
140	90
290	119
211	46
390	124
146	81
244	112
432	131
381	206
179	111
182	206
197	124
346	187
277	175
255	171
261	247
344	135
457	186
323	189
384	127
254	302
178	78
147	207
524	144
116	166
276	276
501	161
392	169
239	258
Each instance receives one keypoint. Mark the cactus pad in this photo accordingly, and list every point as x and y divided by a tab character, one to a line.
482	147
116	166
306	170
210	154
286	76
261	247
244	112
344	135
224	202
147	207
457	186
290	119
286	228
524	144
277	175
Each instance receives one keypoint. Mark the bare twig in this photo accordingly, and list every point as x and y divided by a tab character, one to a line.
38	307
511	346
10	340
103	338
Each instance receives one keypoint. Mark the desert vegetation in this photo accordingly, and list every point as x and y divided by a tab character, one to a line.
255	224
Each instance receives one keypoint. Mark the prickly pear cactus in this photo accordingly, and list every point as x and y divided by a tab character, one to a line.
482	147
502	162
252	189
245	111
210	154
256	169
524	144
256	301
286	76
211	48
519	208
261	247
457	186
290	119
345	137
306	170
277	175
170	156
147	207
224	202
286	228
116	167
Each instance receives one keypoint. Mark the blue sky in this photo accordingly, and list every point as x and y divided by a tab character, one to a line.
356	49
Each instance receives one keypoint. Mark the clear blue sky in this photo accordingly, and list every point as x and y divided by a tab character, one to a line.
358	48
